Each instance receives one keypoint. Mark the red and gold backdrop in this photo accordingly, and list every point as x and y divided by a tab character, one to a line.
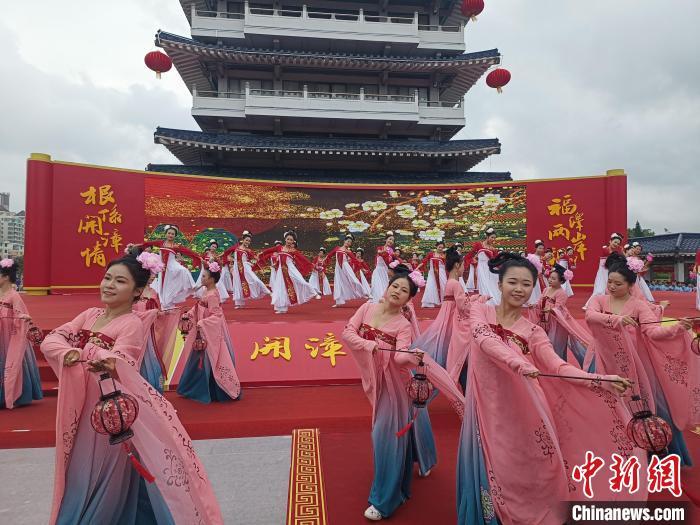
79	217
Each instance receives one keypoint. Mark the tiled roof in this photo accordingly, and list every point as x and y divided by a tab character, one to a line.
190	57
347	176
186	145
670	243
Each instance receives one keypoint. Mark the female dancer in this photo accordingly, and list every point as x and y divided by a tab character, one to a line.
434	262
376	335
415	261
19	376
208	374
380	275
175	283
628	338
601	278
289	287
565	333
408	310
641	290
274	260
150	360
541	267
480	278
362	271
346	286
566	260
551	422
319	279
210	255
246	285
94	481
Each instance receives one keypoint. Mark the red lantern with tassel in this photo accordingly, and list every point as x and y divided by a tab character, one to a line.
185	325
113	415
648	431
419	389
498	78
34	335
158	62
695	343
199	345
472	8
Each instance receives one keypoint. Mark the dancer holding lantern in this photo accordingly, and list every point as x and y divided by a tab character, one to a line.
19	376
319	279
206	370
628	337
289	287
346	286
380	275
551	421
246	285
600	285
434	262
379	337
175	283
564	332
94	480
480	278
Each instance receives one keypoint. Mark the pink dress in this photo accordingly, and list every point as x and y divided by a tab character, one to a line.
523	436
216	360
384	379
20	383
94	482
569	338
657	358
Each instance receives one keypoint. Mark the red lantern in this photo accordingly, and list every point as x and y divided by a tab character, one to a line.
158	62
114	413
419	388
648	431
498	78
185	325
695	343
34	335
199	344
471	8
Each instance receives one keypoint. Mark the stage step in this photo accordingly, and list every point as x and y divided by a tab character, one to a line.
46	372
49	388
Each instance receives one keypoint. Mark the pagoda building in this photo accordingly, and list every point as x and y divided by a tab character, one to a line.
342	91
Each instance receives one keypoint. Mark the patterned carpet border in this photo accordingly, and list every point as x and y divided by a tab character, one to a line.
307	499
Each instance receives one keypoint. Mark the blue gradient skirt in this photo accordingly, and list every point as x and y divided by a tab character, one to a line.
31	382
150	367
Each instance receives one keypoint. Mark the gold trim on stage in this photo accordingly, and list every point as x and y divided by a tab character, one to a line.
307	500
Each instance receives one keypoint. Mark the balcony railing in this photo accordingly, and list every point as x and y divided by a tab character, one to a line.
323	24
314	104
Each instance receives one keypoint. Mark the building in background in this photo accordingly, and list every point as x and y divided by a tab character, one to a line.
674	255
333	91
11	229
4	201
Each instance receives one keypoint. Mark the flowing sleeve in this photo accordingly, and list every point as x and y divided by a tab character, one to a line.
266	254
196	258
548	361
18	304
149	244
424	263
470	256
655	330
351	332
596	316
560	298
303	264
493	346
227	253
58	343
127	345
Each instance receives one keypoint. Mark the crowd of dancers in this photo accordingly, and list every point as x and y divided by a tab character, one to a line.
534	388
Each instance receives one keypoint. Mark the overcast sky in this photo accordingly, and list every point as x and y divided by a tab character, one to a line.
596	85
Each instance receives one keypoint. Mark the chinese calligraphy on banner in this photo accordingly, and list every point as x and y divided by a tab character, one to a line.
279	347
99	224
569	230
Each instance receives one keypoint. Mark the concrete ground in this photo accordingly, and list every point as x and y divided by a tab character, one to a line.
250	477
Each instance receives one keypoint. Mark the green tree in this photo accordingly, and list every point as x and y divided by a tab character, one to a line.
638	231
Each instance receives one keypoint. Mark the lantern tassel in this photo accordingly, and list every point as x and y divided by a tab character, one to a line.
405	429
158	74
500	90
201	361
473	18
138	466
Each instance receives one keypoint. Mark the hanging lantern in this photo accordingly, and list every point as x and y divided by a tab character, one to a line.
114	413
648	431
472	8
199	344
185	325
498	78
34	335
158	62
419	388
695	343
